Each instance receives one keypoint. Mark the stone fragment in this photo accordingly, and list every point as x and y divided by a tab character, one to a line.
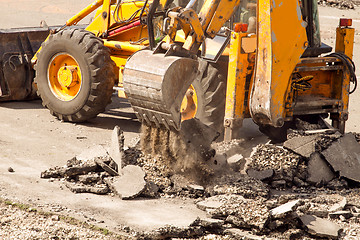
261	175
130	184
151	190
116	150
56	172
337	214
338	206
210	203
318	170
320	227
10	169
81	188
195	188
208	223
106	167
285	209
236	162
302	145
89	178
83	168
96	151
344	156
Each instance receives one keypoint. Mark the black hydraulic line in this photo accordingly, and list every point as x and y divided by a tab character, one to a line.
150	25
350	66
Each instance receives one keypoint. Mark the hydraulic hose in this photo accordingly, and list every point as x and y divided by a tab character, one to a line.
349	65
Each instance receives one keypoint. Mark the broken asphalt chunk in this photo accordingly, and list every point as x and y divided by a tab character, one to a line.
261	175
130	184
116	150
81	188
344	156
318	170
338	206
302	145
285	209
337	214
106	167
236	162
320	227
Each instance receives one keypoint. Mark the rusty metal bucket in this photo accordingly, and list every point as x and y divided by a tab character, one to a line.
156	84
17	47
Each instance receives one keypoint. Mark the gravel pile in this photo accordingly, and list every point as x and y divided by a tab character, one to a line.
29	224
342	4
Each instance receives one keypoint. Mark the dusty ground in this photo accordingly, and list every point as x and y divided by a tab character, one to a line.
32	141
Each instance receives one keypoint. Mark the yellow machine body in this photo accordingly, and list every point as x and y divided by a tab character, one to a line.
275	72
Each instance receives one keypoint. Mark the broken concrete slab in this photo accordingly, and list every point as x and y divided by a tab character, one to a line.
261	175
116	149
194	187
106	167
236	162
130	184
83	168
285	209
320	227
338	206
56	172
81	188
318	170
208	223
337	214
210	203
302	145
89	178
344	156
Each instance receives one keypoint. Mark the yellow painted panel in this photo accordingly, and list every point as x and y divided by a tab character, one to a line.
281	42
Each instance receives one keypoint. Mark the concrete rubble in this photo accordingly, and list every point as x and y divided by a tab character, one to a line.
130	184
302	145
275	193
344	156
320	227
318	170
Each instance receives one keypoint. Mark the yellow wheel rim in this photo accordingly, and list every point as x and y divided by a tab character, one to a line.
189	104
64	77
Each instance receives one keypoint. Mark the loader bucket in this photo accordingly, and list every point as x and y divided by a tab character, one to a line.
156	84
17	47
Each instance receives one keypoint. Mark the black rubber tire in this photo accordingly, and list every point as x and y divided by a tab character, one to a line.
210	89
97	70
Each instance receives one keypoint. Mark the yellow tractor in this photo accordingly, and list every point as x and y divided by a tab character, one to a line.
173	61
276	68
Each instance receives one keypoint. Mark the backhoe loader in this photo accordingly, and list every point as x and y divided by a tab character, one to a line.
275	69
172	60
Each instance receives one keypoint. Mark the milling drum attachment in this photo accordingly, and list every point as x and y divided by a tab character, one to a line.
155	85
